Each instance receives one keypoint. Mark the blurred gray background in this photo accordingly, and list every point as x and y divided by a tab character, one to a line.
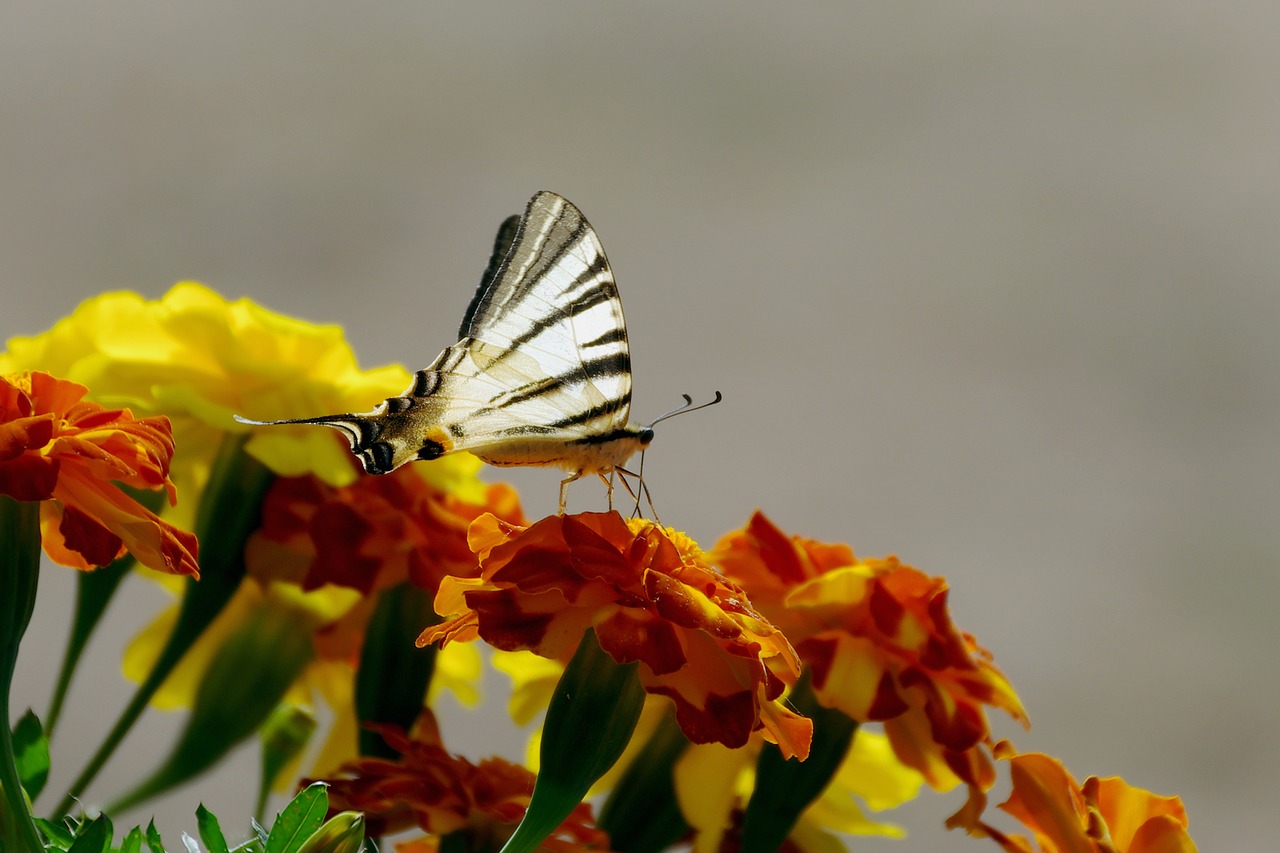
989	286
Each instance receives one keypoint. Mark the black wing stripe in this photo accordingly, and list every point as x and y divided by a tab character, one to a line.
501	248
608	365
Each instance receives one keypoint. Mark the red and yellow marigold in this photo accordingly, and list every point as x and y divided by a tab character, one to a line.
68	453
881	646
441	793
652	596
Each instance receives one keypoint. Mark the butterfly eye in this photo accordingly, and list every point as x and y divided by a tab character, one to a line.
646	436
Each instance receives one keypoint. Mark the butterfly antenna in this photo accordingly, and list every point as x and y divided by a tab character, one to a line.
685	408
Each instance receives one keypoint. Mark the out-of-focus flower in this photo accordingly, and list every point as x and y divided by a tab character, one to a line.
651	596
442	793
879	641
65	452
323	554
1105	815
713	785
198	359
374	533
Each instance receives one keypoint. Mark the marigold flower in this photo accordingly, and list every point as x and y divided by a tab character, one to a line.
442	793
322	554
652	597
198	359
65	452
1105	815
880	643
372	534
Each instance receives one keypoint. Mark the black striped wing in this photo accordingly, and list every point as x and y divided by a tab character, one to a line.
542	373
548	329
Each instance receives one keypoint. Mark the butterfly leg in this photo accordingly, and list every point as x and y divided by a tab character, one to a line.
564	490
641	489
608	484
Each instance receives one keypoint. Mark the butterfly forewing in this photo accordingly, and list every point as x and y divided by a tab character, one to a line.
548	328
542	373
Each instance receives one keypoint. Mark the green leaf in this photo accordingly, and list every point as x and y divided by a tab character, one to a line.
31	753
283	736
590	720
132	842
642	814
299	819
210	831
249	674
154	844
57	833
342	833
392	680
786	787
94	837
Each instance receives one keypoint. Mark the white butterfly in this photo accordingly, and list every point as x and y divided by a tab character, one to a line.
541	374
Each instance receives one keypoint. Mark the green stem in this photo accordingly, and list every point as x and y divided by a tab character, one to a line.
94	591
230	509
19	577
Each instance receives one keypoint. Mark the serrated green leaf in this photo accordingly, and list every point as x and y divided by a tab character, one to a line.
94	837
55	832
31	753
302	816
154	844
132	842
210	831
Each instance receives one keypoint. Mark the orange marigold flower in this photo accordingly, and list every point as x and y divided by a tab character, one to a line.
442	793
652	596
881	646
59	449
371	535
1106	815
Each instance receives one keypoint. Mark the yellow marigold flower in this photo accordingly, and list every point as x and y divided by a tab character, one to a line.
1106	815
880	644
65	452
441	793
198	359
694	632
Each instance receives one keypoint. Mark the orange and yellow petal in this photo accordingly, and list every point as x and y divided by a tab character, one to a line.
440	793
1102	814
878	639
648	599
57	448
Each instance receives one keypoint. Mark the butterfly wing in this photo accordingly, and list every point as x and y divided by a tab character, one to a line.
542	373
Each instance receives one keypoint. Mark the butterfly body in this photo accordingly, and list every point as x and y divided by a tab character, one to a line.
541	374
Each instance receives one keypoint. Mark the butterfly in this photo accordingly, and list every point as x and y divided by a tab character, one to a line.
540	375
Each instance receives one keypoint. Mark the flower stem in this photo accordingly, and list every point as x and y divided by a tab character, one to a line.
19	575
94	591
230	509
